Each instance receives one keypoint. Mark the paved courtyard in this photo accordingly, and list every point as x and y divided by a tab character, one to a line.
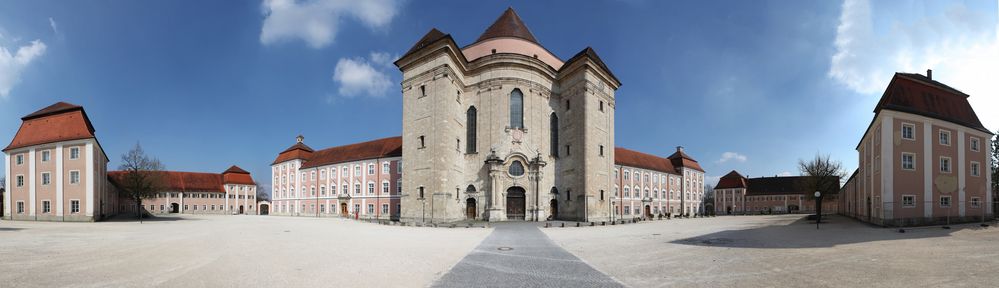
244	251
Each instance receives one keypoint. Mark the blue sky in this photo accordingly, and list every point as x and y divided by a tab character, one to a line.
746	85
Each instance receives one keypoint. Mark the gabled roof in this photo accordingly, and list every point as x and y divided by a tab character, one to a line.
785	185
381	148
432	36
632	158
731	180
589	53
680	159
235	169
58	122
508	25
177	181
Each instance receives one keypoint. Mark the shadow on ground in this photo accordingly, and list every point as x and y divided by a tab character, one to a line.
132	218
833	231
7	229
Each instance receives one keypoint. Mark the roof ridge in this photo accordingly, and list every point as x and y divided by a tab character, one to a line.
508	24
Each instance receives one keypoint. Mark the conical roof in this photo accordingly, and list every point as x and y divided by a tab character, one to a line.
508	25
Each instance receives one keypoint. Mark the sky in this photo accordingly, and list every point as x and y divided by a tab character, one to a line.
752	86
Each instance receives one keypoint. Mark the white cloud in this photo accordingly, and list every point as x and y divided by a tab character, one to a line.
357	76
958	43
712	180
732	156
316	21
785	174
55	28
11	65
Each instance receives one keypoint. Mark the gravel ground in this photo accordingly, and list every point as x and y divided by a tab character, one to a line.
229	251
785	251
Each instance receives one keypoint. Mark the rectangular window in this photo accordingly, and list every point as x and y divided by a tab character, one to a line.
975	167
945	164
46	155
385	168
20	180
398	168
908	161
976	202
385	209
567	152
46	178
19	159
908	201
422	144
945	137
423	91
601	150
357	189
371	188
371	208
74	206
371	169
74	177
74	153
46	206
20	207
344	171
908	131
601	106
398	187
357	170
945	201
974	144
385	187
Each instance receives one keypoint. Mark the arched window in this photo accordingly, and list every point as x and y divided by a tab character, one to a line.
554	134
470	189
516	169
470	129
554	190
516	109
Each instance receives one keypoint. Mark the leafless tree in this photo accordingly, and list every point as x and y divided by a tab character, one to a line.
826	174
995	170
143	176
262	194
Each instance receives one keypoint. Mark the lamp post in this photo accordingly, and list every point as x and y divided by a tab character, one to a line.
818	209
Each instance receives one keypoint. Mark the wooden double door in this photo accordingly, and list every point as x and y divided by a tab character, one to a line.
516	203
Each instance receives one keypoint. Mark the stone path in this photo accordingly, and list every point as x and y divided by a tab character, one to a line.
520	255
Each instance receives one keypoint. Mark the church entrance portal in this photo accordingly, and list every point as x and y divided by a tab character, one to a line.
515	203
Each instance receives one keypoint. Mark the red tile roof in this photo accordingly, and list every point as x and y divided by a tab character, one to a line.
918	94
176	181
381	148
508	25
297	151
786	185
731	180
680	159
589	53
236	175
631	158
432	36
59	122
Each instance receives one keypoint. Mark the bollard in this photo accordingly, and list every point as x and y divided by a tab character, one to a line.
613	223
591	224
563	224
577	224
603	223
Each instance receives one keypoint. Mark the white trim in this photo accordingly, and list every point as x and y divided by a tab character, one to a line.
950	201
950	165
972	164
59	176
940	133
976	140
31	182
902	161
913	201
887	182
902	132
928	171
71	206
71	153
6	188
961	197
91	177
79	177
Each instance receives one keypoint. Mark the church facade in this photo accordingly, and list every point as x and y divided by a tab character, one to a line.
502	129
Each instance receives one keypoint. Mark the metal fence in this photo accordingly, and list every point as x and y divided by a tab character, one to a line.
912	213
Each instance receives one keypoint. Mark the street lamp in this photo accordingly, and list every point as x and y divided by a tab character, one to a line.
818	209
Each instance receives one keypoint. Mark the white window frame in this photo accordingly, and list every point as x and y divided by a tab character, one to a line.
909	205
371	169
371	188
976	169
46	178
74	153
74	209
942	202
46	206
357	170
46	155
912	162
386	187
19	159
940	137
386	166
71	175
949	164
19	180
976	202
19	207
912	130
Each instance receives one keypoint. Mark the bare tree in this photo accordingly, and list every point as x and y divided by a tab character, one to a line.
826	174
995	171
143	176
262	194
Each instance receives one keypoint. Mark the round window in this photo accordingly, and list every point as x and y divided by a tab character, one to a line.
517	169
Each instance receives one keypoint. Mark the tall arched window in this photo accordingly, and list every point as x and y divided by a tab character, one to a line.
516	169
554	134
516	109
470	129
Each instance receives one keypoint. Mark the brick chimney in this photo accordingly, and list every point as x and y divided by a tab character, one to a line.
929	74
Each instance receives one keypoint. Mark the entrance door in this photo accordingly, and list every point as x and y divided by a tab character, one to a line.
648	212
515	203
343	209
174	208
240	209
264	209
470	209
554	209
